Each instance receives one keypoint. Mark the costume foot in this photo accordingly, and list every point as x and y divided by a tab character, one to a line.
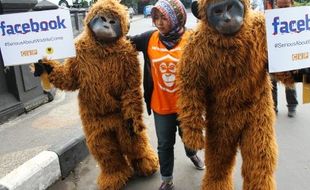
208	184
146	166
115	180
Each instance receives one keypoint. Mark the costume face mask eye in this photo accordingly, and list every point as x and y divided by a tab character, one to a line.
105	28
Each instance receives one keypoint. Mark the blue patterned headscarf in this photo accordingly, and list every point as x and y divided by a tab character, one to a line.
175	12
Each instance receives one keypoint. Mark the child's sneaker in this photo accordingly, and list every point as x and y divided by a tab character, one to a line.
197	162
166	185
291	113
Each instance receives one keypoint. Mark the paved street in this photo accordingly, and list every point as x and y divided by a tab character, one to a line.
293	137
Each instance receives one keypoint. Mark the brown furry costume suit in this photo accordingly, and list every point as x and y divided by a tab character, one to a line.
225	89
108	78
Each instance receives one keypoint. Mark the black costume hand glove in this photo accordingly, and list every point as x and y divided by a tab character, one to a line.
40	68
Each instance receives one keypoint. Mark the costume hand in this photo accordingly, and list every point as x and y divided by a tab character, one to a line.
130	127
138	126
135	126
193	138
41	67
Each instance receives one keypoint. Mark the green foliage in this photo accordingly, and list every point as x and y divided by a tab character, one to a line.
84	4
298	3
130	3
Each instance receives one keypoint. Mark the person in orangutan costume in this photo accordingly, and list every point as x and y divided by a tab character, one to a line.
225	89
107	73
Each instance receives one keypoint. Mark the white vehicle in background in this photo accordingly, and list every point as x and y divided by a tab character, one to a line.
72	3
62	3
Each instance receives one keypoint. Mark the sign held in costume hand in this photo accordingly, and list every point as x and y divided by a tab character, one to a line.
288	38
27	37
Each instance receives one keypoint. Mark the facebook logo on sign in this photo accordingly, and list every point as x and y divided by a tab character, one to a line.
280	26
32	26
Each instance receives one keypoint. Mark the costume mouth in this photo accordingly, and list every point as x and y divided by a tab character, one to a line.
169	84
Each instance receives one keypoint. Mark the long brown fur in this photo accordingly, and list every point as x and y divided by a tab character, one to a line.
108	78
225	89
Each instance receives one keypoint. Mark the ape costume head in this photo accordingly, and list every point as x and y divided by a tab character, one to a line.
107	21
226	16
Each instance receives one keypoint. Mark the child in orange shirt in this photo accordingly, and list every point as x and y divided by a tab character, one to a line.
162	50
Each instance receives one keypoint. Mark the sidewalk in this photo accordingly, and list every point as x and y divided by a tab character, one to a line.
34	147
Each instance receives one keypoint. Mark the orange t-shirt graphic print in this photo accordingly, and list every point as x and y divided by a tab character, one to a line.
164	63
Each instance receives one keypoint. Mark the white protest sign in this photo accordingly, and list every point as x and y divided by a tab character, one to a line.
28	37
288	38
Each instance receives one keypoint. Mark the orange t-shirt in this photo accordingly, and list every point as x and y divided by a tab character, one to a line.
163	63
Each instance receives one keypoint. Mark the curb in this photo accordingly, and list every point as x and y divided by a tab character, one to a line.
47	167
70	154
3	188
